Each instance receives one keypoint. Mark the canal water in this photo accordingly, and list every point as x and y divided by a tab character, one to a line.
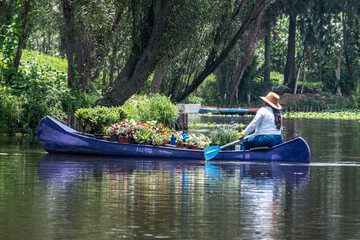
46	196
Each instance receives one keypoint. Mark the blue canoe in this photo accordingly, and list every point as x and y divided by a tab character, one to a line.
56	137
207	110
240	111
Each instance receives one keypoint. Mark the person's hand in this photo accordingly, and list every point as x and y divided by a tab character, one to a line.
241	137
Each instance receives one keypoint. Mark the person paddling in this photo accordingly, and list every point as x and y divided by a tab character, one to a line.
267	125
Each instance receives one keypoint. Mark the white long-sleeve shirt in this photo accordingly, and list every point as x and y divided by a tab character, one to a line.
263	123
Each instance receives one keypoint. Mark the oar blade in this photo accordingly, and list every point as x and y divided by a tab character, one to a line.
211	152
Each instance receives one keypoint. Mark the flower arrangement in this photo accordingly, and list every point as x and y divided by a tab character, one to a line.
152	132
124	129
143	135
158	140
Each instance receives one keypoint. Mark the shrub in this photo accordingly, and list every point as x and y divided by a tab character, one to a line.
312	102
99	117
221	136
10	113
193	99
158	108
352	101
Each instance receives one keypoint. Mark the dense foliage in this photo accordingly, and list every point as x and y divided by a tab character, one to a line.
58	56
156	108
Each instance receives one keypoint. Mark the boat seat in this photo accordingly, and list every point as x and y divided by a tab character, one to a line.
259	148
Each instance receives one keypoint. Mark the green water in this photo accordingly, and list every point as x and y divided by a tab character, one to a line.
46	196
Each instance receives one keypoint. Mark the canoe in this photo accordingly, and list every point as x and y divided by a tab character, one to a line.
240	111
234	111
252	110
206	110
56	137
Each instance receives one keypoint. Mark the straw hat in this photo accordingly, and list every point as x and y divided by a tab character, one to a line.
273	100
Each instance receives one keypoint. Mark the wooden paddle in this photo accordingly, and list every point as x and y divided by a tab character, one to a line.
211	152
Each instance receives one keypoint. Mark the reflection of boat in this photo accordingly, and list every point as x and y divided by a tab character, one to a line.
56	137
70	168
292	173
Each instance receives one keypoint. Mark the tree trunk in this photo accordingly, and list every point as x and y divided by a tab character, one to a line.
157	80
85	56
142	59
103	77
297	80
267	30
337	74
351	83
289	74
213	62
248	49
68	15
23	34
304	72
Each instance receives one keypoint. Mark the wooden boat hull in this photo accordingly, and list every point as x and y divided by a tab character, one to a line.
56	137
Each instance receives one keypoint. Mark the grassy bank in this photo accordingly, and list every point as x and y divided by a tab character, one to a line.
343	114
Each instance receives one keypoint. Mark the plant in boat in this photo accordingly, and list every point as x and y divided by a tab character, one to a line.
158	107
158	140
222	136
202	141
143	135
178	139
189	142
98	117
124	129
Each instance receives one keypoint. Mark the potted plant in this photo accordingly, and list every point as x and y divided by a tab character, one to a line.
179	142
189	143
203	144
166	138
222	136
124	131
158	140
143	135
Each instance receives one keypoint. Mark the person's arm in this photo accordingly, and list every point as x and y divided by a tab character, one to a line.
253	124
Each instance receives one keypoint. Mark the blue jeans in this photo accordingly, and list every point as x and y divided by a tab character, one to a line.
261	141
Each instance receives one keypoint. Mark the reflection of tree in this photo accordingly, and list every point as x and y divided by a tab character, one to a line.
289	129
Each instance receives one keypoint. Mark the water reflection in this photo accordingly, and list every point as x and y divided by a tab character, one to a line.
167	199
69	168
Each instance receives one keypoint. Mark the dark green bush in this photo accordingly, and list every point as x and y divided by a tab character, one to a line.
312	102
10	113
99	117
158	108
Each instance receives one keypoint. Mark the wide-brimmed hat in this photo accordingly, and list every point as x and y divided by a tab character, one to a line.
273	100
